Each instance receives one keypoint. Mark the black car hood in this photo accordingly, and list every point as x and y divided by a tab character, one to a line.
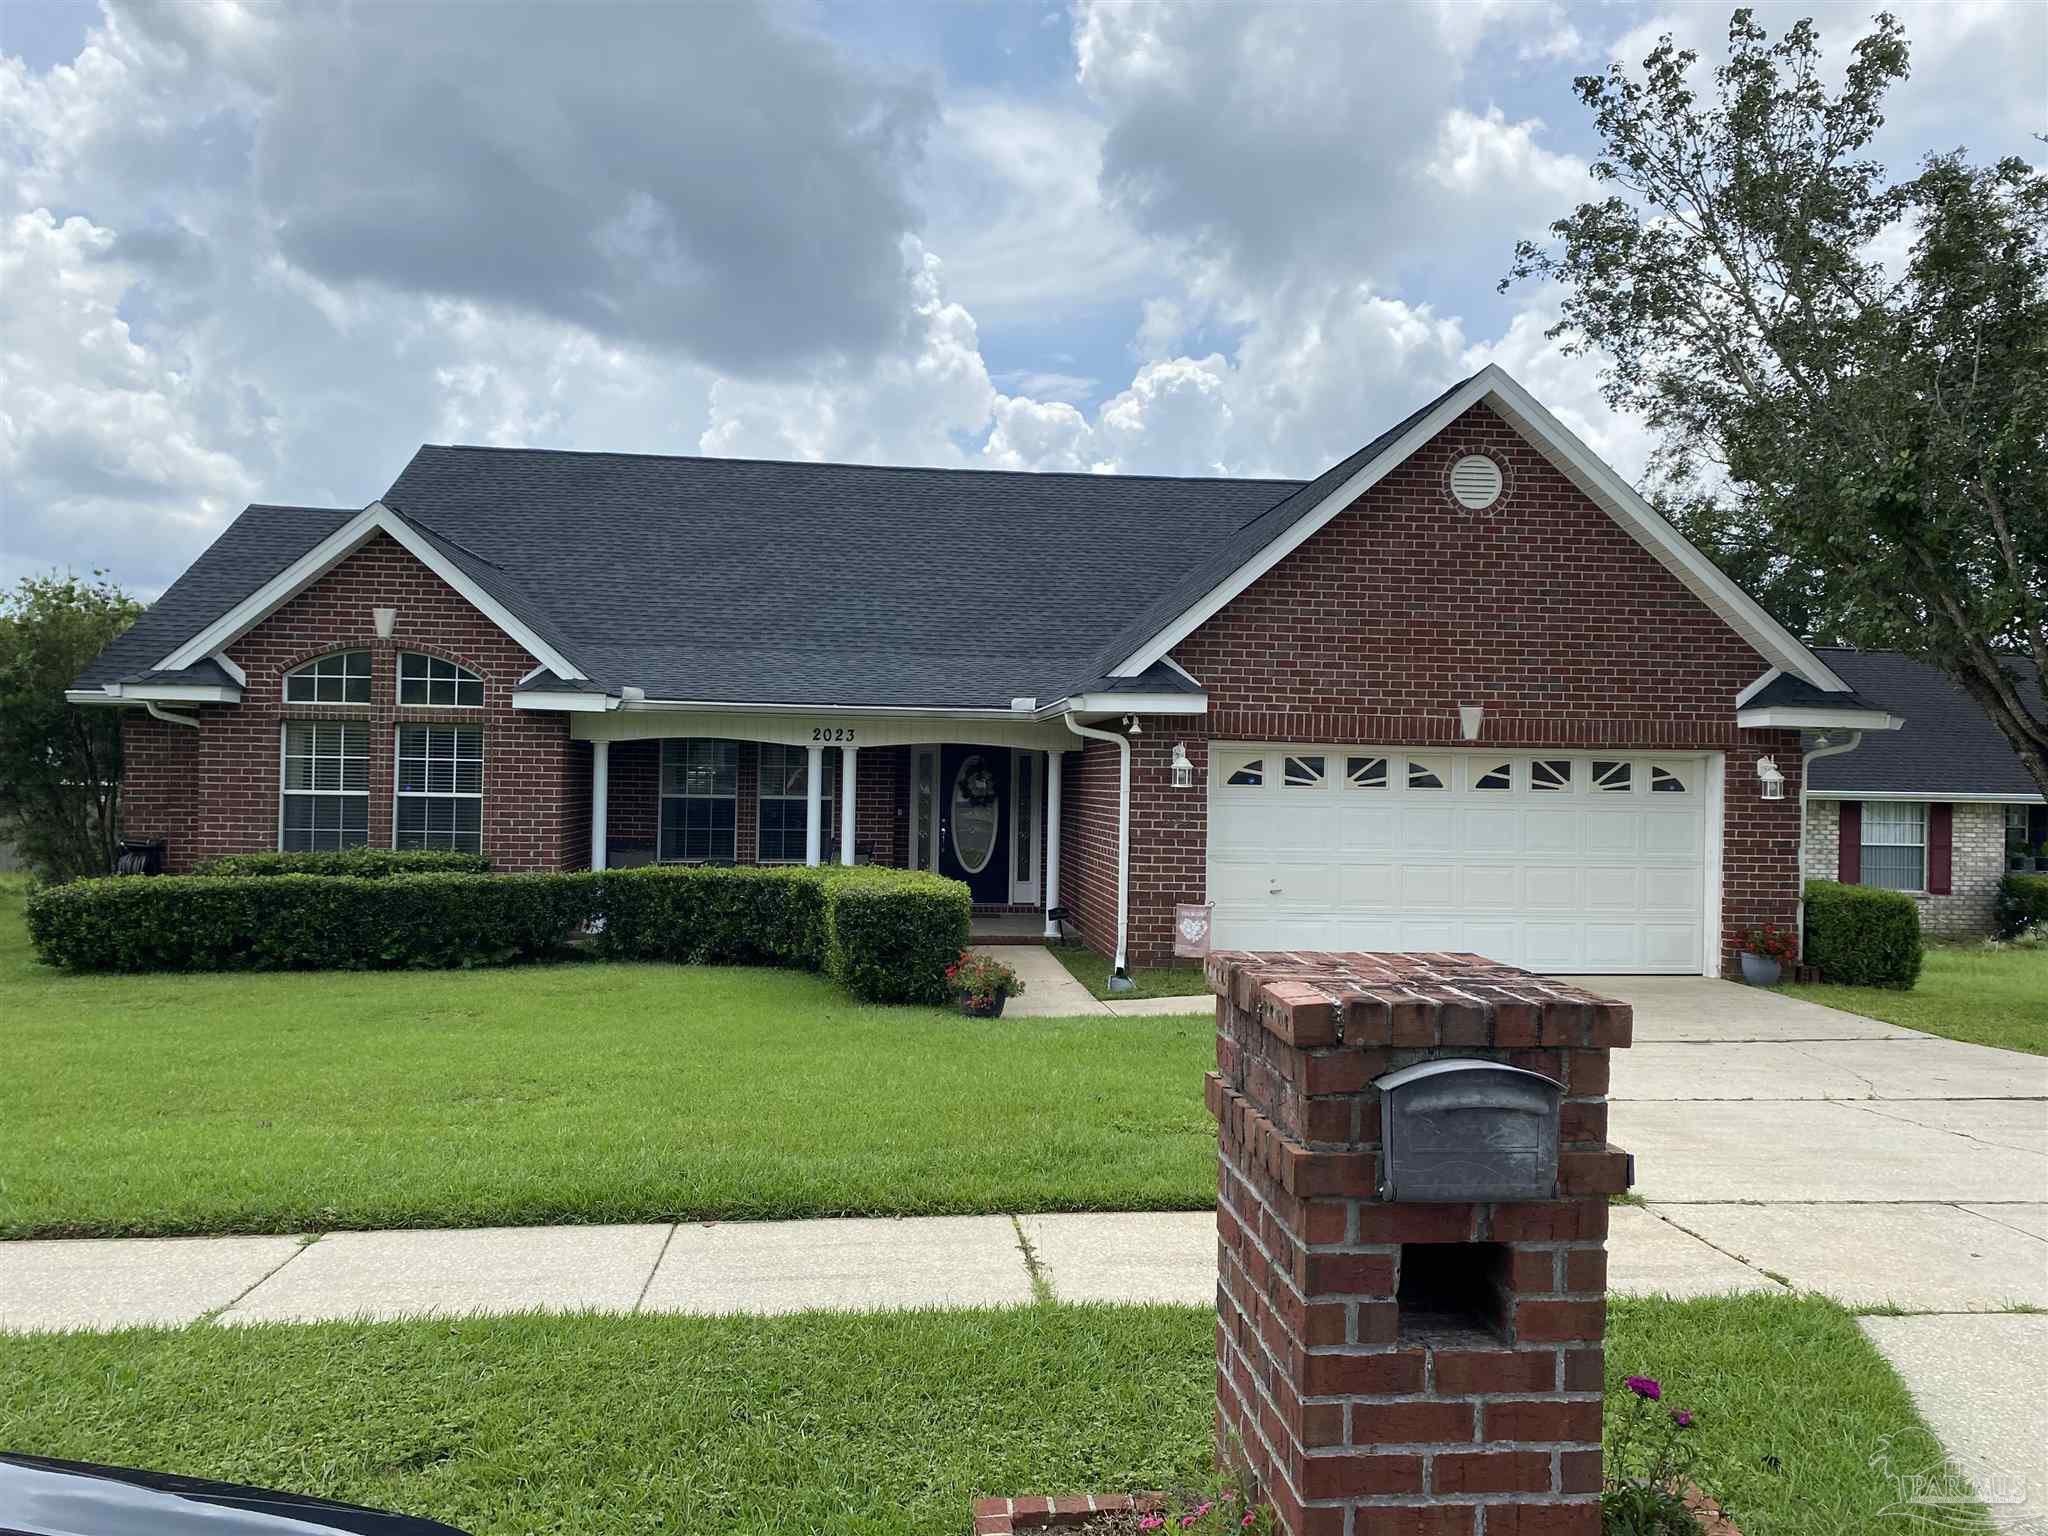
40	1496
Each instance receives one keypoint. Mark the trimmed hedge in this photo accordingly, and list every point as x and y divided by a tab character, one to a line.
885	935
1861	936
305	922
890	934
361	863
2022	904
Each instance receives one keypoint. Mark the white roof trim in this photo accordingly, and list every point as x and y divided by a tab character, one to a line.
566	699
226	663
330	552
1924	796
1758	686
1579	464
156	693
1134	704
1794	717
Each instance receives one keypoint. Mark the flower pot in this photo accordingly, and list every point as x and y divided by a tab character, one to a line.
992	1009
1760	970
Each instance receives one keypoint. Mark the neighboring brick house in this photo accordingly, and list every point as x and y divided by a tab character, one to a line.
1940	809
1464	691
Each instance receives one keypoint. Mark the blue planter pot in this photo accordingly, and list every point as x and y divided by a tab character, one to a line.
1760	970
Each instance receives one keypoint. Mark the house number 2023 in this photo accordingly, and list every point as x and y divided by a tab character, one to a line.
831	733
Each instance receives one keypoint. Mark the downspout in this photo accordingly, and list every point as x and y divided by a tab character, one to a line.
159	713
1806	761
1120	975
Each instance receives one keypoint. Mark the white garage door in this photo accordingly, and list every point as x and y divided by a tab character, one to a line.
1552	862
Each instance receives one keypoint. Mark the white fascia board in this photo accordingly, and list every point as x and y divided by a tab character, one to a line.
330	552
227	664
1183	671
1795	718
1135	704
871	711
1923	797
155	693
585	703
1584	468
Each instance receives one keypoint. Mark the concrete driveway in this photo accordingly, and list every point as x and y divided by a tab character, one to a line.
1886	1168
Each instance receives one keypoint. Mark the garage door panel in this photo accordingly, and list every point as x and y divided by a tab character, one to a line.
1672	890
1365	886
1572	879
1422	829
1548	832
1615	886
1425	886
1489	887
1491	831
1677	836
1613	832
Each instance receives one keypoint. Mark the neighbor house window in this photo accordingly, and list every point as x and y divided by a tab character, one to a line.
2026	839
700	786
343	678
430	681
785	804
326	787
1895	844
440	788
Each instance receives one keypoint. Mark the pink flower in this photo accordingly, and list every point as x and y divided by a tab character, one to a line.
1151	1523
1249	1517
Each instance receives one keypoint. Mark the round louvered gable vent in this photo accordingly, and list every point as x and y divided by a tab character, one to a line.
1476	482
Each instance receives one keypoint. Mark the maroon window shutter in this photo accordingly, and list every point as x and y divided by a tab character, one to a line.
1941	846
1849	861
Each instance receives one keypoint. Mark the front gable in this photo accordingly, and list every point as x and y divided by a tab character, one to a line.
1542	606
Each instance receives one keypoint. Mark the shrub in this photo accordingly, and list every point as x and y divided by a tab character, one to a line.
2022	904
1861	936
891	934
715	916
885	935
362	863
306	922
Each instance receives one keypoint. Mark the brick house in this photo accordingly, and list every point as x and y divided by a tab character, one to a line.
1940	809
1463	691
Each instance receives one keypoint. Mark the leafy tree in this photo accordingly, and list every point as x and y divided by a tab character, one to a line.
1848	374
60	766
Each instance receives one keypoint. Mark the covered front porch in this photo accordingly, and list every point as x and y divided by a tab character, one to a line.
974	800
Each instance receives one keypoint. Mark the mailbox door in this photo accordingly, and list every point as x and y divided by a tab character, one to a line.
1469	1130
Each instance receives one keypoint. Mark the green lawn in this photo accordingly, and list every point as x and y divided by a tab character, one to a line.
573	1093
1966	992
867	1424
1092	971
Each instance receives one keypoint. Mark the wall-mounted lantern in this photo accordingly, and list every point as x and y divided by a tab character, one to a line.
1773	780
1183	770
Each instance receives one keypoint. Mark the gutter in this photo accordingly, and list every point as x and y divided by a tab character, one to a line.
1806	762
158	712
1120	976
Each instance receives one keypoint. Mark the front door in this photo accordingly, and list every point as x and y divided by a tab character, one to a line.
974	821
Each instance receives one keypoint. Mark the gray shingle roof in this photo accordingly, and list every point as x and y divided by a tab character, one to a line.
1948	745
738	580
1788	692
253	548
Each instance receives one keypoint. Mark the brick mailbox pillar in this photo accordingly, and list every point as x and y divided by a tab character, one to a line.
1399	1367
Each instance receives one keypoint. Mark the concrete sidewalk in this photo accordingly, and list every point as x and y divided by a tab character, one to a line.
1051	992
697	1267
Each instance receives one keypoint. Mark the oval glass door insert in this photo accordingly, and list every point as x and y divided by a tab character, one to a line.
976	816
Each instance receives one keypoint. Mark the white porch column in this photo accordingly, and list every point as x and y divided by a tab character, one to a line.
600	799
1052	841
848	756
814	808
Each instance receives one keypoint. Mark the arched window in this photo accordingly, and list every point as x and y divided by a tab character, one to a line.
440	684
341	678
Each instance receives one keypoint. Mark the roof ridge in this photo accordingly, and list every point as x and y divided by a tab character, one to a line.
899	469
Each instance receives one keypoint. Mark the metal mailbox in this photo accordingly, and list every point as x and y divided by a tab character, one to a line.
1468	1130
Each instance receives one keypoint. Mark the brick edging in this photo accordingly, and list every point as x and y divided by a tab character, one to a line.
1000	1517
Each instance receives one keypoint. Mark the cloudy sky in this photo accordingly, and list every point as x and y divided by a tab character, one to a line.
251	252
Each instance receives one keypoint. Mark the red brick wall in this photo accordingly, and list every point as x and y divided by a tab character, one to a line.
530	774
1406	606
